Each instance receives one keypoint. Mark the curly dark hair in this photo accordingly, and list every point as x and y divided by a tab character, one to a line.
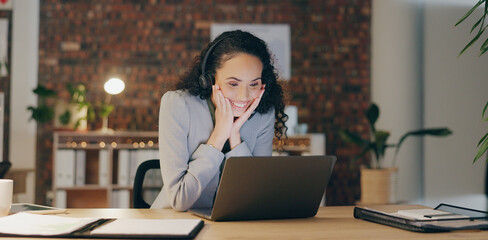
228	45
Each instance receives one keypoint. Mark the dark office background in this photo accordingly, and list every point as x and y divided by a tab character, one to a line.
149	43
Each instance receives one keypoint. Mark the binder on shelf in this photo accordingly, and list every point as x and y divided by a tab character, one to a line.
97	168
64	168
103	167
121	198
134	163
123	168
442	218
115	199
61	199
80	168
35	225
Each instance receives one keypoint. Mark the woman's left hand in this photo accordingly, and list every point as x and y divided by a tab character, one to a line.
235	135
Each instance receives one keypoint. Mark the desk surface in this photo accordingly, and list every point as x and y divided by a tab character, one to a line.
329	223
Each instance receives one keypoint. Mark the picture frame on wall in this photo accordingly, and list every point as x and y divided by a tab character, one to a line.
6	4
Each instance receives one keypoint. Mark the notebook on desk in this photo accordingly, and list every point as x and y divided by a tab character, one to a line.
442	218
270	188
25	224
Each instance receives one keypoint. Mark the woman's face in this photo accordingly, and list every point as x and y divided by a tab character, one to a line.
239	79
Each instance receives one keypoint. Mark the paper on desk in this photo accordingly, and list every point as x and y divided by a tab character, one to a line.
46	225
420	214
170	227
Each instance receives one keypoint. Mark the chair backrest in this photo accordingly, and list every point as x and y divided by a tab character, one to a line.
138	190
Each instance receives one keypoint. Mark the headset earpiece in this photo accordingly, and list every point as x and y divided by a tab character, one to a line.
205	81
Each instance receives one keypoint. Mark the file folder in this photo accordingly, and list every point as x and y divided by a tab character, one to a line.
449	218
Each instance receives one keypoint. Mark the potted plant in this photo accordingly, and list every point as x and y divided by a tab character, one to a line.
378	181
75	113
67	115
483	143
44	112
480	24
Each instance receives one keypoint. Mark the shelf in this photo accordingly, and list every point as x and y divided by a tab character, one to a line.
95	169
107	164
313	143
84	187
119	187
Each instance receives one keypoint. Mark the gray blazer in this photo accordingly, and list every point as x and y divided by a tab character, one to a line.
190	167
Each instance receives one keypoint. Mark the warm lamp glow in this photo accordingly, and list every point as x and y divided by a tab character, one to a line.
114	86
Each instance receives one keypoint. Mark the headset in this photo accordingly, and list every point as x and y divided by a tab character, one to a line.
205	79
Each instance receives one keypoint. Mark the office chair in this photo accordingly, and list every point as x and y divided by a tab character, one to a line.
138	190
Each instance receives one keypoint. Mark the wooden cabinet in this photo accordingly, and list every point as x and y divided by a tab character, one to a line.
96	169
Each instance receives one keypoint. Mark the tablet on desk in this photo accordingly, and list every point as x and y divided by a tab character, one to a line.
34	208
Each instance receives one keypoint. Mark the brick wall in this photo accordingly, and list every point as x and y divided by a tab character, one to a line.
150	42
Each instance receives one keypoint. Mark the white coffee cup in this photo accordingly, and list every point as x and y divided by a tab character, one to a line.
6	191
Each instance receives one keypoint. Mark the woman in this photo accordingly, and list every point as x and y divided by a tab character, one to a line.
228	104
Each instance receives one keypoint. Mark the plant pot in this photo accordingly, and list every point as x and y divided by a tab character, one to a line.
378	186
76	113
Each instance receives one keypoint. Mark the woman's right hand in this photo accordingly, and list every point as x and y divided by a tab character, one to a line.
223	119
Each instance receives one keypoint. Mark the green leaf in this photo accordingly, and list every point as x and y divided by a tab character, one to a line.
469	12
78	123
472	41
372	114
41	113
65	117
106	110
482	150
483	51
438	132
78	93
352	138
484	45
90	115
482	139
44	92
476	24
484	112
381	137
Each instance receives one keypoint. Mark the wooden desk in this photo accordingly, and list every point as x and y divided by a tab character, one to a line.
330	223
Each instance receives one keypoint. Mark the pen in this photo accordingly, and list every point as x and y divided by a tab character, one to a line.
440	215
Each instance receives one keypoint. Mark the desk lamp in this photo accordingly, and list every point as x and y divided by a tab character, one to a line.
112	87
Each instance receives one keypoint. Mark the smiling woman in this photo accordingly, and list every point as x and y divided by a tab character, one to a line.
228	104
239	79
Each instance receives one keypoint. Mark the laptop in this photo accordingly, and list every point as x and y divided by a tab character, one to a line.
275	187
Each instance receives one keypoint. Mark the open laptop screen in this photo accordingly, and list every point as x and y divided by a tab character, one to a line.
271	187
